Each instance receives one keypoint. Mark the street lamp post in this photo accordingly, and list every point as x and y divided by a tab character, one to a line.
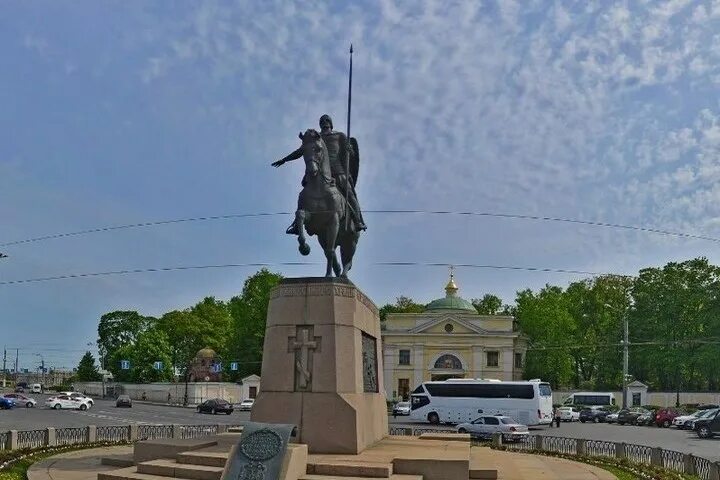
626	353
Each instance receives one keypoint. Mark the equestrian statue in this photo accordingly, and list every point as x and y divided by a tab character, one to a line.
328	205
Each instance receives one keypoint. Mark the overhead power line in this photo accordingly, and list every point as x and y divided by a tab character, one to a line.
415	212
291	264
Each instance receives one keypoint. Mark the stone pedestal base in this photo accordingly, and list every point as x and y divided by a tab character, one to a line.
322	366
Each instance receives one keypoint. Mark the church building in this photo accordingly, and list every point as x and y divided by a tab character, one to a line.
449	340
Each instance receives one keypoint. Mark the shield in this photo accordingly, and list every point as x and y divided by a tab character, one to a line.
354	161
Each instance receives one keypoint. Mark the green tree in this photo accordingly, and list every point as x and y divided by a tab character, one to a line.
677	310
489	304
402	304
119	328
545	319
87	371
152	346
248	313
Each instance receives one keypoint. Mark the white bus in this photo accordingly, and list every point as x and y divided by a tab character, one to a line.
463	400
590	398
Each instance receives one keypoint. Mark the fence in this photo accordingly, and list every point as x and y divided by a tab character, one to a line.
671	460
18	439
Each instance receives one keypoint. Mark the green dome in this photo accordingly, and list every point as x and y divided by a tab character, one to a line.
451	300
450	303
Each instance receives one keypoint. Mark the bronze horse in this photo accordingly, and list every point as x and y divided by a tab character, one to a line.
322	209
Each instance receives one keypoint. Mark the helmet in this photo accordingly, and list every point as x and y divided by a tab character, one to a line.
326	118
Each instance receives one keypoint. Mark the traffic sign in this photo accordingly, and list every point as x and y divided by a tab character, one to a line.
124	364
158	365
234	366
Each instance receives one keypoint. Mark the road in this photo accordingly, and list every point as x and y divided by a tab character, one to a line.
105	413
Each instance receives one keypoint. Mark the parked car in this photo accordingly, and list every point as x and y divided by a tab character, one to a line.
123	401
647	418
704	414
64	401
79	395
594	414
246	405
484	427
21	400
401	408
36	388
611	418
683	421
19	389
215	406
708	426
569	414
6	403
665	416
630	416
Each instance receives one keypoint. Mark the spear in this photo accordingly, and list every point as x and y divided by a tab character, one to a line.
347	150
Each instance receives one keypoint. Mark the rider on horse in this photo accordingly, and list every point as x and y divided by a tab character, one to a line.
338	146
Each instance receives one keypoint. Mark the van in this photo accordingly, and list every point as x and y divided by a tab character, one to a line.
590	399
36	388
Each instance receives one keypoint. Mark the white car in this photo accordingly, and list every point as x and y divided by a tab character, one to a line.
246	405
401	408
611	418
569	414
64	401
78	395
484	427
683	421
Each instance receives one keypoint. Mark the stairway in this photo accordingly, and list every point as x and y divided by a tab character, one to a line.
208	464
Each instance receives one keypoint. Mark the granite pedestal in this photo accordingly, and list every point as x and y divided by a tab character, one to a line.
322	365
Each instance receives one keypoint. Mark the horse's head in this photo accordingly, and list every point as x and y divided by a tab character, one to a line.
314	152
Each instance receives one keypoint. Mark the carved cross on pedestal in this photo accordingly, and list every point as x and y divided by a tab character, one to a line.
303	347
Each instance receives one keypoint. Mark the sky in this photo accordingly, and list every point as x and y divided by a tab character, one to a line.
115	113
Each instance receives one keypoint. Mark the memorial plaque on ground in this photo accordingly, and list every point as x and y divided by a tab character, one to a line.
259	454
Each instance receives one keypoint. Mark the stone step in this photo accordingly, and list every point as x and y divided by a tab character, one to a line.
129	473
351	469
170	468
340	477
483	473
211	459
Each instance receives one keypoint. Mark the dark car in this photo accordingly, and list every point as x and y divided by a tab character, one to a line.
647	418
665	416
6	403
215	405
19	389
709	426
123	401
593	414
630	416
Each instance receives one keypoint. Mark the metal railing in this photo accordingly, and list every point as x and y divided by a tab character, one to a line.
154	432
195	431
71	436
113	433
32	438
19	439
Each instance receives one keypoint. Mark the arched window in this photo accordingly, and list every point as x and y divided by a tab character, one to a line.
448	362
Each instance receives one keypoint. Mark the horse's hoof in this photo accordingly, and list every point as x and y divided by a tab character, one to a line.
304	249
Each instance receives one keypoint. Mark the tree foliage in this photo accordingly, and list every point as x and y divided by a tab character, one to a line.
248	313
402	304
489	304
87	370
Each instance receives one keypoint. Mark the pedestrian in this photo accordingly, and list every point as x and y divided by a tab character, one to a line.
557	418
169	397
